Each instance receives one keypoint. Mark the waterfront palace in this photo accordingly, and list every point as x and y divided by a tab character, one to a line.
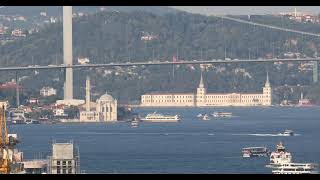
202	99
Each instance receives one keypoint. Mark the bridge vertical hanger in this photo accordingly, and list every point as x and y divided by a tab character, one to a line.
17	90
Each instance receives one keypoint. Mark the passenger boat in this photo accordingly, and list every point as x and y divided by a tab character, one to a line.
295	168
280	156
255	152
287	132
156	117
222	114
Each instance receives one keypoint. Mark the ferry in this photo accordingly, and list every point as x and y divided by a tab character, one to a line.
255	152
205	117
222	114
156	117
280	156
287	132
296	168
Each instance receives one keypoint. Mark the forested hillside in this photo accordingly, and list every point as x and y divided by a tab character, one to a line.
108	37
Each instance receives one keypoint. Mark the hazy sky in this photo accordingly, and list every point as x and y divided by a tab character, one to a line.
244	10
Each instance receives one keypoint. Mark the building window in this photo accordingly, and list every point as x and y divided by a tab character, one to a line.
64	163
58	163
64	171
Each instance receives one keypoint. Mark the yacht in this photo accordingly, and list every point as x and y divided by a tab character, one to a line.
295	168
205	117
287	132
156	117
222	114
255	152
280	156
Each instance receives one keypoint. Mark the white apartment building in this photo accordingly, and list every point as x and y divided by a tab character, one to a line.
48	91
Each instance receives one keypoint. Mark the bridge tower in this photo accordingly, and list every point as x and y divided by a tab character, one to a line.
67	51
315	71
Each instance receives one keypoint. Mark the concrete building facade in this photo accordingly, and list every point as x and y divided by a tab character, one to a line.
64	159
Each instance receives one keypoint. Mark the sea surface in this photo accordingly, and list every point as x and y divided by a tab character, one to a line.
190	146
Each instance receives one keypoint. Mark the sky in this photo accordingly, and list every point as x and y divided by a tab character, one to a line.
247	10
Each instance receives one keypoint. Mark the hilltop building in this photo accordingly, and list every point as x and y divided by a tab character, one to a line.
203	99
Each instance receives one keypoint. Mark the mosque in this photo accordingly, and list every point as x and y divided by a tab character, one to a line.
105	108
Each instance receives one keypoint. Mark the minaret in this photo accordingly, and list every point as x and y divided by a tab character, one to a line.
67	51
88	94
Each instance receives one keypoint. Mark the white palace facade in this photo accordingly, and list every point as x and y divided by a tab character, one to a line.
203	99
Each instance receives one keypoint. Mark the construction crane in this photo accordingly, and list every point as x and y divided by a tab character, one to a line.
4	142
7	161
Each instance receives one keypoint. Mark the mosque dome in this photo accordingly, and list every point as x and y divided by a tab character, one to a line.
106	97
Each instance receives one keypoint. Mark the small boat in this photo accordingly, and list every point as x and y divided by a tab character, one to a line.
134	123
205	117
255	152
199	115
287	132
222	114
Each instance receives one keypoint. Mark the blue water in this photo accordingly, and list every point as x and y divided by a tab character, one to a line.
191	146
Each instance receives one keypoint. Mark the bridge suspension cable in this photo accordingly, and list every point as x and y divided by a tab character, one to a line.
268	26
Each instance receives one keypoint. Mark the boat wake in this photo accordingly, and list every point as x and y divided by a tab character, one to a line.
106	133
264	135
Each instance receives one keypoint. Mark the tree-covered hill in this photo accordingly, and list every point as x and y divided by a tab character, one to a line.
107	37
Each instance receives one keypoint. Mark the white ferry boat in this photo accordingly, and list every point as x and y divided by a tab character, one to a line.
287	132
156	117
296	168
205	117
255	152
222	114
280	156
